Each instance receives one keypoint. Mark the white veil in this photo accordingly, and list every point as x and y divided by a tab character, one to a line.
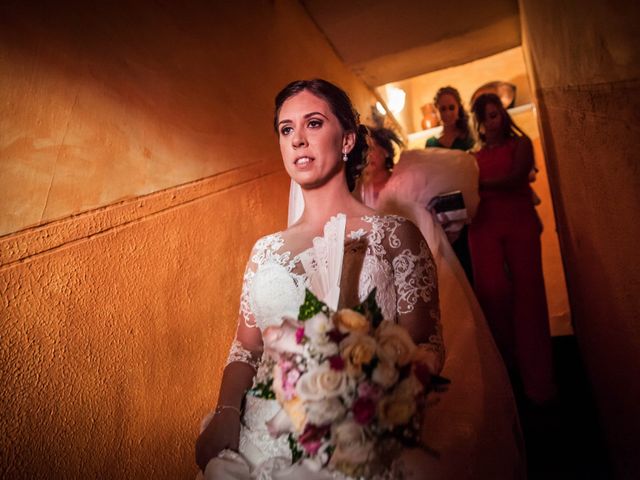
296	203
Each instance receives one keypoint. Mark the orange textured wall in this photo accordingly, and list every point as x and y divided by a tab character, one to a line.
116	325
585	64
100	101
137	167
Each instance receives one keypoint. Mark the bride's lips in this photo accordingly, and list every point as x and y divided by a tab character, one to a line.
304	162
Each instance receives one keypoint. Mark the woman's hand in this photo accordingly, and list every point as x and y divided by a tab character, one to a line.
223	432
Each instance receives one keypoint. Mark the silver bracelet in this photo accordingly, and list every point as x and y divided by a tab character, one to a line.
221	408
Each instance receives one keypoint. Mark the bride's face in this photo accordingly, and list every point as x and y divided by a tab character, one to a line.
311	140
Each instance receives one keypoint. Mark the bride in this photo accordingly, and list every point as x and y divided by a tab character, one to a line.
322	146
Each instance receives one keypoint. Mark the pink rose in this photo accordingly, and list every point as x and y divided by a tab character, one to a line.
289	381
281	339
312	438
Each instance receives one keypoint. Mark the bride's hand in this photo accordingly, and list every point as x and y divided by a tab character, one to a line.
223	432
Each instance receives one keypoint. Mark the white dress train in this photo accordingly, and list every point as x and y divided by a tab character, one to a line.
474	426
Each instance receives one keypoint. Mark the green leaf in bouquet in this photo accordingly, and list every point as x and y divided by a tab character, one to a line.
370	309
296	453
311	306
263	390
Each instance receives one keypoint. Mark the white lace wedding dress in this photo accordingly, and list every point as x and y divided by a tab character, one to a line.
385	252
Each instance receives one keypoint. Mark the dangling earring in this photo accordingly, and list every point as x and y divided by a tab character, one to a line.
345	157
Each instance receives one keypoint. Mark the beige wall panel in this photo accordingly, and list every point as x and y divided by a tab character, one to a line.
109	100
585	69
113	345
599	185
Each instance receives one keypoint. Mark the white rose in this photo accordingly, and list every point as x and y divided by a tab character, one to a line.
385	374
321	383
394	343
323	412
316	329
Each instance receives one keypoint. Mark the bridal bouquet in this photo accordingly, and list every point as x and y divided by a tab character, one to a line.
351	386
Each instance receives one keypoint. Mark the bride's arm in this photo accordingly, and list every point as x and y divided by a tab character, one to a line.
416	285
223	431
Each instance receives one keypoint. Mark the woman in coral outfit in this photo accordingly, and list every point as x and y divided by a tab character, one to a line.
504	240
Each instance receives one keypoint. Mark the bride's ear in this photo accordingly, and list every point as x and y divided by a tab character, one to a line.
348	141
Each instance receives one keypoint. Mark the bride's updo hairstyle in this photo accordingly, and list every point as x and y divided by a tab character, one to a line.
342	108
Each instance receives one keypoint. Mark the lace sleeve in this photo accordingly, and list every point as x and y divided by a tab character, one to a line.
247	344
416	285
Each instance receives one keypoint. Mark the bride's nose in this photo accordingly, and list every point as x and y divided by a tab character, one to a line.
299	139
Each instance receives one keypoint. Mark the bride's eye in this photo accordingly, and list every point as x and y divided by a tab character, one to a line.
286	130
315	123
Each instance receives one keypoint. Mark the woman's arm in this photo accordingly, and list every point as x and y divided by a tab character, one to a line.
223	430
520	168
416	285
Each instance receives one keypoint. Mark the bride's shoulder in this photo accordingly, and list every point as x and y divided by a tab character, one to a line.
271	242
386	220
394	225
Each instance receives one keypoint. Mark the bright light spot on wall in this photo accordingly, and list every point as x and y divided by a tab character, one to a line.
380	109
396	98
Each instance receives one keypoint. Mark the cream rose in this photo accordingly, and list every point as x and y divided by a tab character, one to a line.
357	350
409	387
353	449
385	374
394	343
398	408
296	412
347	321
321	383
324	412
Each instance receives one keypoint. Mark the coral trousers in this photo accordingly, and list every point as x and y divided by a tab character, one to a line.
504	240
